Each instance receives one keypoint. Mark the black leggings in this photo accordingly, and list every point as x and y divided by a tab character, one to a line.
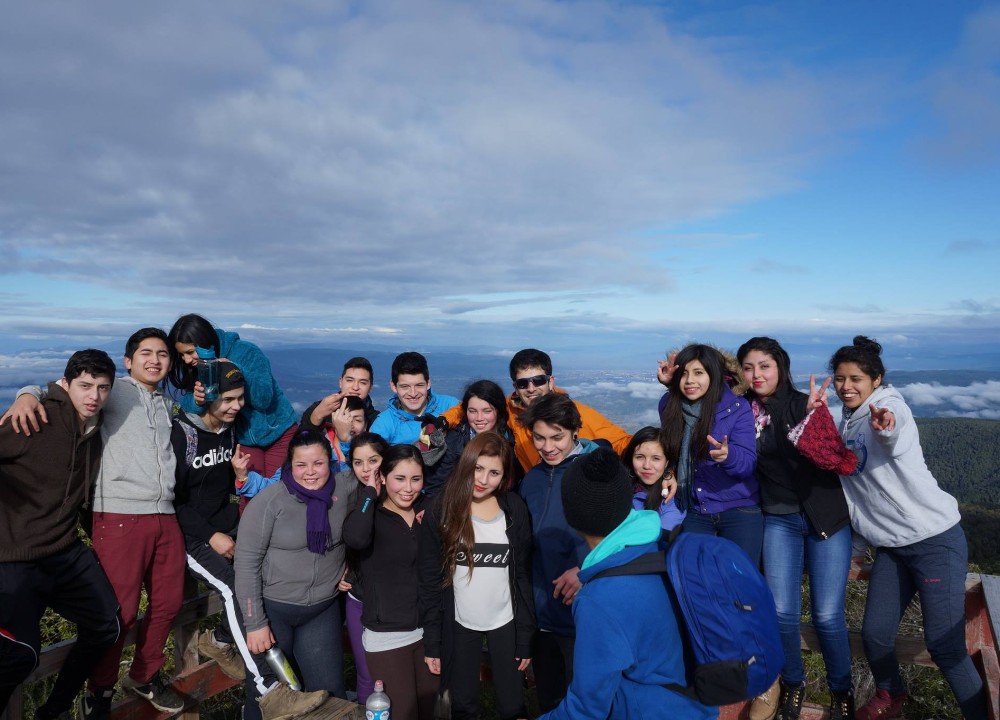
507	679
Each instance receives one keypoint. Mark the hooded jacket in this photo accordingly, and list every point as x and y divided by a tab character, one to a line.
556	547
45	480
893	498
401	427
136	474
267	413
622	660
205	477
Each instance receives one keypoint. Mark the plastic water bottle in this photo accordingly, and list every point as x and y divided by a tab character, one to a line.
377	706
282	668
208	373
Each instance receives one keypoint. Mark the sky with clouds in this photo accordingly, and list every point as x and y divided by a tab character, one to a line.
607	179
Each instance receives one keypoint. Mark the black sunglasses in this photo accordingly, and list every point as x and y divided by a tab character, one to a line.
537	381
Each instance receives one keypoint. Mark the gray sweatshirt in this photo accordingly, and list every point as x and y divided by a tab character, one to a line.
893	498
137	464
273	560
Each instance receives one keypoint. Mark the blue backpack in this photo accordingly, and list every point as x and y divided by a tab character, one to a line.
726	614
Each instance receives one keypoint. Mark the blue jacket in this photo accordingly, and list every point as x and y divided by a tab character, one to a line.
670	516
732	483
622	657
556	547
401	427
267	413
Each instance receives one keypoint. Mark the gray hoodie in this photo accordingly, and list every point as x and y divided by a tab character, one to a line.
893	498
137	464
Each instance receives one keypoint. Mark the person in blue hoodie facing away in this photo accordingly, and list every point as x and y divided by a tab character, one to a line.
266	425
557	550
708	433
896	504
406	414
623	659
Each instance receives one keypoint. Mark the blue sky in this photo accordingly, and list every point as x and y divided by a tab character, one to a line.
604	180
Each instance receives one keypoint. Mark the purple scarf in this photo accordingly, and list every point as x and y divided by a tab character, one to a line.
318	504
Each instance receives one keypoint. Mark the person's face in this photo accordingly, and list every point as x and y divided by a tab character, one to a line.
149	363
480	415
694	380
488	475
188	353
532	383
87	393
357	422
761	372
365	463
311	466
227	406
649	462
412	392
554	443
356	381
854	385
403	484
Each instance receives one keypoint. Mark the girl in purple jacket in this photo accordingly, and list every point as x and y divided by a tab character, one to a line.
708	434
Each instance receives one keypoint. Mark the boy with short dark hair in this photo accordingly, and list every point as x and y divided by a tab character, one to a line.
355	381
405	415
621	660
45	480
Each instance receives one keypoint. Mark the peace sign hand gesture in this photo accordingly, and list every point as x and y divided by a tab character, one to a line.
817	396
882	418
720	450
665	369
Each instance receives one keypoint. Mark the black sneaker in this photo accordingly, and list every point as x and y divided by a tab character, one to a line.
96	707
160	695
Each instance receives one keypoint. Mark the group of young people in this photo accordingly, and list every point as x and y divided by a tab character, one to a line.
440	525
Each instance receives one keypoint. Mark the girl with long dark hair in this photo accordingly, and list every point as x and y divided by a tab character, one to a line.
475	580
654	482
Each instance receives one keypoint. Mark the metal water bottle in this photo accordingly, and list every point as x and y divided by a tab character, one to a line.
282	668
377	706
208	373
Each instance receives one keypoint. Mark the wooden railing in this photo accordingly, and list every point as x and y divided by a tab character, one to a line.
200	681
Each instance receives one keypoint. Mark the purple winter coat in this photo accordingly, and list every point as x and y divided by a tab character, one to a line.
716	487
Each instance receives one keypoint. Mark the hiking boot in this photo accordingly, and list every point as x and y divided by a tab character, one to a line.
96	707
790	704
882	706
841	705
283	703
765	705
225	655
159	694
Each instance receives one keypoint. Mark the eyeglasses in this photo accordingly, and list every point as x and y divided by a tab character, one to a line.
537	381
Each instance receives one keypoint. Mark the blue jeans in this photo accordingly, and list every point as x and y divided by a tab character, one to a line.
743	526
312	637
935	568
791	544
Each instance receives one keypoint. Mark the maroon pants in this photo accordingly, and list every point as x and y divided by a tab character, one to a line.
138	550
407	681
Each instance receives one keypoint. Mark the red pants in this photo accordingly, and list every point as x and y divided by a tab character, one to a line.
137	550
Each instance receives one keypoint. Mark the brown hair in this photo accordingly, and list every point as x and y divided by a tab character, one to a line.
457	533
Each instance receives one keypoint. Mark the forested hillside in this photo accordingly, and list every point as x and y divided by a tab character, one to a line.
964	456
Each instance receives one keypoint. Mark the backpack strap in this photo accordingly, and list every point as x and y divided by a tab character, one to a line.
652	563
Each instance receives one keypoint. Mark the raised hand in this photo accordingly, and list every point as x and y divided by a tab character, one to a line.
240	462
325	408
817	396
720	450
342	422
882	418
665	369
199	393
